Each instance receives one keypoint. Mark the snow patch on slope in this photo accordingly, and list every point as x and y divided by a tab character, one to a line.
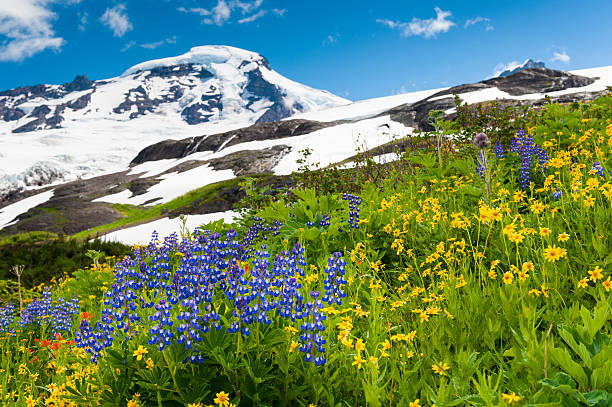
10	212
141	234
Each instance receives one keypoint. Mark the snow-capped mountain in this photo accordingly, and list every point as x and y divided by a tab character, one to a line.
51	133
514	68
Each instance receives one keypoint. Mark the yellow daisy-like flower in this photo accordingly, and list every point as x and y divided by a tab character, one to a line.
508	277
140	351
516	238
511	398
528	266
596	274
440	368
607	284
544	232
359	345
563	237
584	283
415	403
554	253
222	398
358	361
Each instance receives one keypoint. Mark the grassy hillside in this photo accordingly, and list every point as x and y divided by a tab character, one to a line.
474	272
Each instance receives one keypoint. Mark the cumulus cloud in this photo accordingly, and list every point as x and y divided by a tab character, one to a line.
221	13
561	57
476	20
426	28
117	20
26	28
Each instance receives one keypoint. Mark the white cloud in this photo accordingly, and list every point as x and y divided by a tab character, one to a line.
117	20
156	44
83	20
252	18
128	46
195	10
476	20
331	39
246	6
427	28
219	14
26	28
561	57
248	11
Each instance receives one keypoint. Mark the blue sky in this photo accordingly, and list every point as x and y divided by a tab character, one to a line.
357	49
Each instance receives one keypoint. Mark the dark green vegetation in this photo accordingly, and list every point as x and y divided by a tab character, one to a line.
46	255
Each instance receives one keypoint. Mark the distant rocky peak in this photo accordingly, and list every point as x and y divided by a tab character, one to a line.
80	82
529	63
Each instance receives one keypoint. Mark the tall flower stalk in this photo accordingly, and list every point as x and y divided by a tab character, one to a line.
482	143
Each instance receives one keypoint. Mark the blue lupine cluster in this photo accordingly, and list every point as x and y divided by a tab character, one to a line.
7	316
259	228
498	150
598	169
180	286
528	150
325	221
557	193
43	311
354	202
480	169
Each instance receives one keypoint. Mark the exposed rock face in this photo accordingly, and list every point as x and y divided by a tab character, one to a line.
525	81
416	114
248	162
81	82
42	120
259	131
538	80
80	103
139	99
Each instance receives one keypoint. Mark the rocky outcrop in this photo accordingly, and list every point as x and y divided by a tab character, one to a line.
42	120
81	82
260	131
538	80
525	81
138	98
416	114
80	103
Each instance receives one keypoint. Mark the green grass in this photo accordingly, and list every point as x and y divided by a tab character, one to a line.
134	215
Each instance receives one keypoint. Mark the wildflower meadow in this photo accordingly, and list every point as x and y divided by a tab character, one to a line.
476	270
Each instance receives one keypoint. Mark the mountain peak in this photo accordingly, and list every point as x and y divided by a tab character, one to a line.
204	55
